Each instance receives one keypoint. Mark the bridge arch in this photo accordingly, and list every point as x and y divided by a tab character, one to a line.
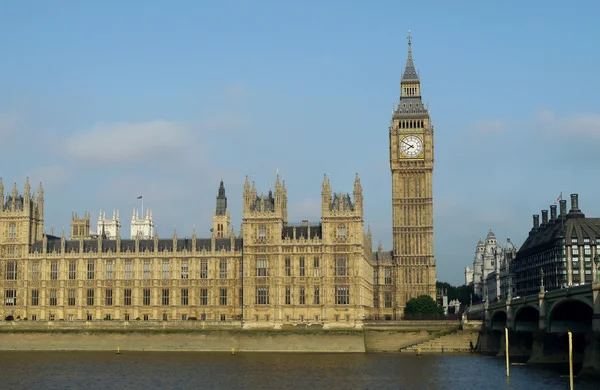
526	318
572	314
498	320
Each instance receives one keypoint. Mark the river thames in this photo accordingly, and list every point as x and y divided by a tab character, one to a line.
192	370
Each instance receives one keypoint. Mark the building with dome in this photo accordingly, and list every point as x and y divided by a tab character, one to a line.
490	275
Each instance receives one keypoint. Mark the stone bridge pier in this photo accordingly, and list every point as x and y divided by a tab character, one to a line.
538	327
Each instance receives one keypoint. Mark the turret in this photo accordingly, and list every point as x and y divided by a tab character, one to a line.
358	196
325	195
1	195
40	202
221	217
27	195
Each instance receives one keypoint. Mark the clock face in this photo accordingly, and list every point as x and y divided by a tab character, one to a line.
411	146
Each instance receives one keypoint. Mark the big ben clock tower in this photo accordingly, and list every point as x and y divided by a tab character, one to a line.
411	163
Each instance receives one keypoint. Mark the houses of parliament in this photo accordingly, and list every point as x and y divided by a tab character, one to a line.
273	272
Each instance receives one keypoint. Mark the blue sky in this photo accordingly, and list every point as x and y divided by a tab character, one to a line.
104	101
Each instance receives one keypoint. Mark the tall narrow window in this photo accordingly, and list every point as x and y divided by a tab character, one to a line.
127	297
316	269
35	297
72	270
302	295
109	270
223	297
342	295
12	231
11	270
288	266
35	271
184	297
204	269
90	297
262	233
90	269
53	297
54	270
10	297
388	276
203	297
108	301
317	296
184	269
262	267
223	269
262	295
166	270
341	266
146	298
288	295
302	266
147	270
71	297
387	299
165	297
128	270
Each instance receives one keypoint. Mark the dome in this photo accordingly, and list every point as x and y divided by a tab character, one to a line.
491	235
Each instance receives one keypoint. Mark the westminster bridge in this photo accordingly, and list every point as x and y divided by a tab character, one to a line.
538	325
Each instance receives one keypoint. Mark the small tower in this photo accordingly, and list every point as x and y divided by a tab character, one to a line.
221	217
109	227
142	227
80	227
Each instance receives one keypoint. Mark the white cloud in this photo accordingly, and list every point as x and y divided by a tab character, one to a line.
122	142
488	127
584	125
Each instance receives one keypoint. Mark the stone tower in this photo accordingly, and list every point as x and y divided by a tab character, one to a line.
109	228
142	226
21	220
221	217
411	163
80	227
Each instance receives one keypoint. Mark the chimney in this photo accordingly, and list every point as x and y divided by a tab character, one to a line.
552	213
563	208
536	221
574	202
544	217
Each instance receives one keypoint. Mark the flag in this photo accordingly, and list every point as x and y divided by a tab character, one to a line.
559	198
139	197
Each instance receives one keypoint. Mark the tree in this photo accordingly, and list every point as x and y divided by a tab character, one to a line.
423	307
462	293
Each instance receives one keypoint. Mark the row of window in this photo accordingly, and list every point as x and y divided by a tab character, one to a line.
387	300
10	297
387	278
262	269
12	270
342	297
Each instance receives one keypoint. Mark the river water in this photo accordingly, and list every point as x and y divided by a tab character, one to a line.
201	370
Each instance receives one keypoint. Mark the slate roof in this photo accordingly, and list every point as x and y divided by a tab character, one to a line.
264	203
572	226
341	202
316	231
384	257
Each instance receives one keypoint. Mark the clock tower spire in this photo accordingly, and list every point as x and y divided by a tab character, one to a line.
411	164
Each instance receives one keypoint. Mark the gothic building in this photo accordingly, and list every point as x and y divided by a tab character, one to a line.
275	272
491	267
